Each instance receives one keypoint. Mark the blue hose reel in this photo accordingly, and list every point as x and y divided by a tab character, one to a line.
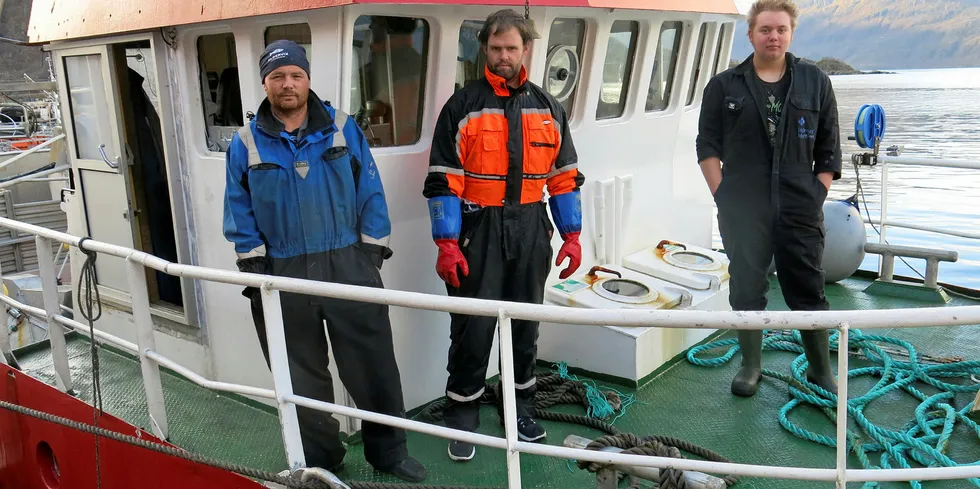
869	125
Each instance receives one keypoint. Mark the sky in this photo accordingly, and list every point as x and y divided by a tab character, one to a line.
743	6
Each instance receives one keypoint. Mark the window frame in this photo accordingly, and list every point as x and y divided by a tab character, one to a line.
586	41
705	34
433	28
636	29
679	41
197	75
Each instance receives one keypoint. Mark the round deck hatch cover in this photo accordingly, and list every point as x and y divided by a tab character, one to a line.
692	260
625	291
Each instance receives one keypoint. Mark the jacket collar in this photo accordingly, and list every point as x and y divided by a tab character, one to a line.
318	119
747	67
498	83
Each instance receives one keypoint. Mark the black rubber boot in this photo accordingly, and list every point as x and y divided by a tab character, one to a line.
746	381
816	345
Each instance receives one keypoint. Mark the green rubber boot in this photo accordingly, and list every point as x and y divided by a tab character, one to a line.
816	345
746	381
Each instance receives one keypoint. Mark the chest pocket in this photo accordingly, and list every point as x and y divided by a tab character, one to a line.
732	109
266	183
802	127
490	155
541	144
341	166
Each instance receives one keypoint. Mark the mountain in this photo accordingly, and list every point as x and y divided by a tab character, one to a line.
884	34
17	60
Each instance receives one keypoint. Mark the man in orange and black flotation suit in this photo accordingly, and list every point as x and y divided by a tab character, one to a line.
497	144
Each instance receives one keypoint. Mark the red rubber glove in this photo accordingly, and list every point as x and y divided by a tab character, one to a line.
572	250
449	258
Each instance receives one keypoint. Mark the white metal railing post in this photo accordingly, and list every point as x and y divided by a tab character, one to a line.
49	292
883	212
281	379
842	371
510	403
144	338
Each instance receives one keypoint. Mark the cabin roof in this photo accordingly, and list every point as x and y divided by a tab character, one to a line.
54	20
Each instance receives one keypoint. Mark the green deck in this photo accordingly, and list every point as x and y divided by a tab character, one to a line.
683	400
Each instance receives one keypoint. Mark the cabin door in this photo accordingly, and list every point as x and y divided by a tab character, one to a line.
97	150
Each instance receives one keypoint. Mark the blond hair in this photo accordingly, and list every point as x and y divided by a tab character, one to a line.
773	6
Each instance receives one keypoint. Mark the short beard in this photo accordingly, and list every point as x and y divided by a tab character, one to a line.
513	72
289	106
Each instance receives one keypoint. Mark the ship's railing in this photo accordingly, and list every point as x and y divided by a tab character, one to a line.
886	161
505	312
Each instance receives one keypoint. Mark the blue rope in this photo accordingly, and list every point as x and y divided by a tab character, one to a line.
917	440
599	405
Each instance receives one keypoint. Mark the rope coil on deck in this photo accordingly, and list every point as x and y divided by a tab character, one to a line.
917	440
563	388
654	446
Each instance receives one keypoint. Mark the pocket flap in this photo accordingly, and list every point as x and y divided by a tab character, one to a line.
334	153
264	166
733	104
804	102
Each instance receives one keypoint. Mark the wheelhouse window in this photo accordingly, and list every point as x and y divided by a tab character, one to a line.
388	80
563	67
221	92
471	59
664	66
721	64
696	68
298	33
89	106
617	69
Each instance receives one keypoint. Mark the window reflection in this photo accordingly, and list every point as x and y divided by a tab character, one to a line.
220	89
470	60
721	64
664	66
390	58
696	69
617	69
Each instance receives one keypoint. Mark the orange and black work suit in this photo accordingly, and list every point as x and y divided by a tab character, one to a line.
495	149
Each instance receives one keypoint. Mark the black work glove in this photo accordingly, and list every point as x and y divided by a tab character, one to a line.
255	264
377	253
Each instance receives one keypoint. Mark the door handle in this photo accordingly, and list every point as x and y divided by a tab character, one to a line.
106	158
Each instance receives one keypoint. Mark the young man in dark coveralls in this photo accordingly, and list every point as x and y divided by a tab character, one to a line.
772	120
497	144
303	199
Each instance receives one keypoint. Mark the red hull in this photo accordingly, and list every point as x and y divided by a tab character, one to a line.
27	445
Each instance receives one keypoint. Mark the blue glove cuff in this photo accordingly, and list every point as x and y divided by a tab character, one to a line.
445	213
566	210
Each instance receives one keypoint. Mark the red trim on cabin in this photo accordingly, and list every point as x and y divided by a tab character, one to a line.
56	20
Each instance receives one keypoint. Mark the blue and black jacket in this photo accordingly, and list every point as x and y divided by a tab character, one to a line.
294	196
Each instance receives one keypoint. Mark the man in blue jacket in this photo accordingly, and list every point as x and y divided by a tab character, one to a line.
303	199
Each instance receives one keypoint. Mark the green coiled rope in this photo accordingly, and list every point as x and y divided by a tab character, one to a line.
917	440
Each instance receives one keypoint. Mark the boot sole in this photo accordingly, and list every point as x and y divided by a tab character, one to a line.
744	389
457	458
746	392
530	439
